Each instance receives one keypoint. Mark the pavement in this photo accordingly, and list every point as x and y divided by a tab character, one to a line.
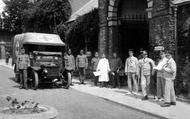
119	96
9	65
70	104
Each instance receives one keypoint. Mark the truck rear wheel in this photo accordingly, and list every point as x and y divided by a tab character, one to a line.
35	80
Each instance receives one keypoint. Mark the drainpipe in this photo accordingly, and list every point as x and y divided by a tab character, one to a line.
176	38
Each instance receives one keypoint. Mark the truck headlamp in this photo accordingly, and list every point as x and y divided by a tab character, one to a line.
45	71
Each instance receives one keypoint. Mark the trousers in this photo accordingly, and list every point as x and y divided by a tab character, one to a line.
169	95
160	87
114	79
23	78
82	74
131	78
145	84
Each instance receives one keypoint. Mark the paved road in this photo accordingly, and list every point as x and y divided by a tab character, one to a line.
70	104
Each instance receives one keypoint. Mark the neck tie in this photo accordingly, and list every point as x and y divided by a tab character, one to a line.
144	60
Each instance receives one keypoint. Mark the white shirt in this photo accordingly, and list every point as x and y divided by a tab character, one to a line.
131	65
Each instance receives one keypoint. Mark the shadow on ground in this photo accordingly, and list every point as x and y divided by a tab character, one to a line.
40	87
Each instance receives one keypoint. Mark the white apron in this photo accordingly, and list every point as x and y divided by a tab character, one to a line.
103	68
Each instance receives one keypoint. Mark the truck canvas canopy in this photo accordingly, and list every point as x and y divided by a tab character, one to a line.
180	2
47	53
42	39
36	41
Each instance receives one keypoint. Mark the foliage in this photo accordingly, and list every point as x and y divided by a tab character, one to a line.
183	79
12	14
61	31
39	16
24	107
46	15
84	30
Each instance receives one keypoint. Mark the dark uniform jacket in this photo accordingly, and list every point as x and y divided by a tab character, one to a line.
81	61
23	61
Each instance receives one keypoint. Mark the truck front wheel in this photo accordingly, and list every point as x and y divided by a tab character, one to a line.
35	80
17	76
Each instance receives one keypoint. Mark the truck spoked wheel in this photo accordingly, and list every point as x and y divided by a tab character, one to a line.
66	81
34	80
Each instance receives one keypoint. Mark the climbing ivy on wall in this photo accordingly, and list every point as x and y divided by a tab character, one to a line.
84	30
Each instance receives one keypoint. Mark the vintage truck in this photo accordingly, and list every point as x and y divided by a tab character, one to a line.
46	59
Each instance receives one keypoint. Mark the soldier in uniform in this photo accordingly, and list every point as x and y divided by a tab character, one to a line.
7	56
94	63
82	65
23	62
69	63
146	69
115	66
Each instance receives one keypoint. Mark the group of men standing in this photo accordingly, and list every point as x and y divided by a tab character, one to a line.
136	70
145	67
140	71
81	64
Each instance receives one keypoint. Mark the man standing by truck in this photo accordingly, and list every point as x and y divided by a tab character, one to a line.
70	63
23	62
81	65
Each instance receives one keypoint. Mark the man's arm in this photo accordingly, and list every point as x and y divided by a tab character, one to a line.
73	62
137	66
77	58
28	59
86	62
98	67
108	66
126	66
17	62
172	68
92	61
152	66
120	63
152	63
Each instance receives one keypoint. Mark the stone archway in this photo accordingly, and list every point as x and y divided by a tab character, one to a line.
113	42
108	26
114	22
112	12
108	36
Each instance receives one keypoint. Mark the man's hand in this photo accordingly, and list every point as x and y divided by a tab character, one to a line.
117	71
112	73
126	73
153	72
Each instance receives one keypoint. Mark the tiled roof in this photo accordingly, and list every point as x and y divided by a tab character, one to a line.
177	2
77	4
85	9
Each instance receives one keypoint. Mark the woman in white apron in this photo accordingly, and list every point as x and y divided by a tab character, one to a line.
103	69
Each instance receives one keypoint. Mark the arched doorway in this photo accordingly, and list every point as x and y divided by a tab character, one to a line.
133	28
132	32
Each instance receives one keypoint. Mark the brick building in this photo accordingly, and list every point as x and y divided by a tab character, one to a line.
126	24
147	24
136	24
